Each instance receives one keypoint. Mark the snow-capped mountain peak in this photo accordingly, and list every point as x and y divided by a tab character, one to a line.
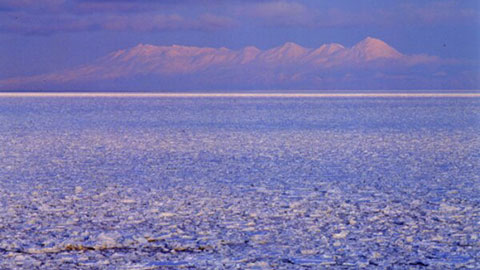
287	52
327	49
372	48
289	61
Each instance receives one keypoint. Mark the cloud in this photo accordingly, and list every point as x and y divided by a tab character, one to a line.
442	12
34	6
19	22
335	17
287	13
43	17
144	24
130	6
161	22
294	13
51	16
108	6
212	22
279	13
111	6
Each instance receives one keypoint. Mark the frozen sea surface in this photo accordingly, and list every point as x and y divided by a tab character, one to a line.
239	183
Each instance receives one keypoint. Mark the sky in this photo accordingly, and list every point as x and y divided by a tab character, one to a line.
47	36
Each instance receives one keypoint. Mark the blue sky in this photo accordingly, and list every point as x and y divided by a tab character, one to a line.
42	36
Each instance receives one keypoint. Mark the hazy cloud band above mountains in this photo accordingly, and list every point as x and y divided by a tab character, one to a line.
370	64
69	45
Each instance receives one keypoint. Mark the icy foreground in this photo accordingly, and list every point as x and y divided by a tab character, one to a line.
239	183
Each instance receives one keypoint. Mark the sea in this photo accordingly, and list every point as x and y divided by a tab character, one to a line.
240	181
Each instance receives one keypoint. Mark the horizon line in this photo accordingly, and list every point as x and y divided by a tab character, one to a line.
233	94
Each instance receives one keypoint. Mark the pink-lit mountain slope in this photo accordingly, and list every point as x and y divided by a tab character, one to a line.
182	59
287	63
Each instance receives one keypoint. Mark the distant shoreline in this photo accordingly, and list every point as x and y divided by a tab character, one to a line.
236	95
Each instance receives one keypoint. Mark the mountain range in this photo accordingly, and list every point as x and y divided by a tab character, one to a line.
371	63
